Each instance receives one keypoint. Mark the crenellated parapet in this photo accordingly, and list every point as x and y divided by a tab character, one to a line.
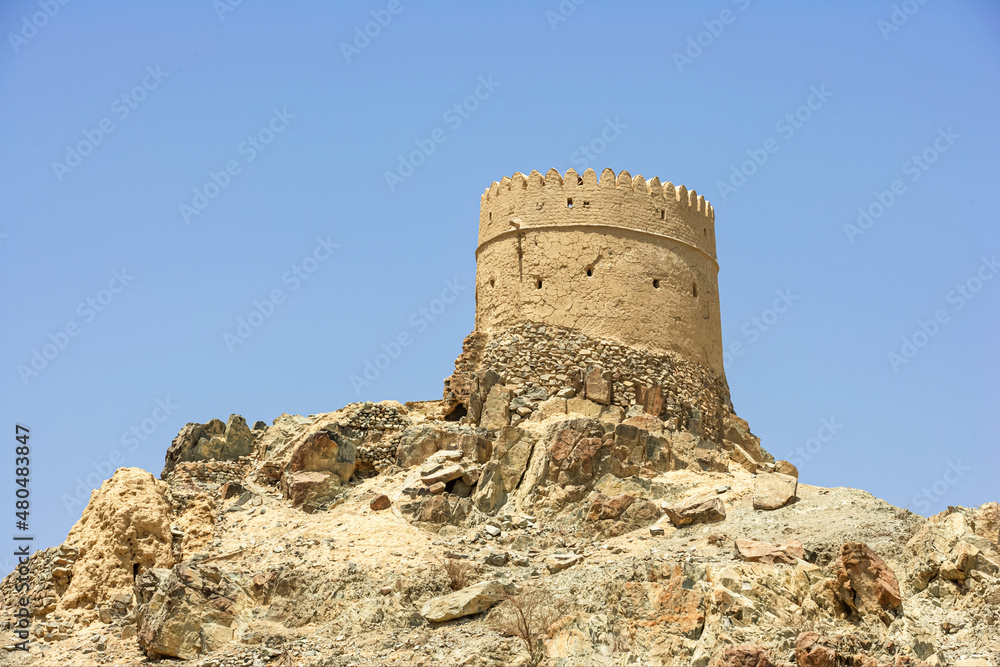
672	213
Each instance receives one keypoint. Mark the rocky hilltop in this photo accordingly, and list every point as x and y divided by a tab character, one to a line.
553	526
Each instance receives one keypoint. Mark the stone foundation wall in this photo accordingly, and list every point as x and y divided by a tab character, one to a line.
532	357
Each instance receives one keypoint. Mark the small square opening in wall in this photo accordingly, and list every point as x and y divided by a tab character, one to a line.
656	283
706	231
586	204
491	216
569	203
663	214
538	284
694	289
590	272
492	282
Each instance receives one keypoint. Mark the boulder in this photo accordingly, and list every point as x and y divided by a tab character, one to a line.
865	583
604	507
696	511
774	490
186	611
311	489
332	450
762	552
465	602
380	503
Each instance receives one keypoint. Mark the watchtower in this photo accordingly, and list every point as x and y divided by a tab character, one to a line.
622	258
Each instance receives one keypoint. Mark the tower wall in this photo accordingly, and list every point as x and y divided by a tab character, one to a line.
623	258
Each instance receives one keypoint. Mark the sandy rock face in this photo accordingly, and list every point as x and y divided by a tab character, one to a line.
124	529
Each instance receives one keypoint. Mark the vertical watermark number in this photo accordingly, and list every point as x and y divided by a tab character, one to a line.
22	542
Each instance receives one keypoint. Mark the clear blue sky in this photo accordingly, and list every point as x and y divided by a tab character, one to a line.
113	114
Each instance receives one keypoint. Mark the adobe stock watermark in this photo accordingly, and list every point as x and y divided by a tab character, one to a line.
363	35
757	325
915	167
805	452
583	157
249	149
264	308
454	116
419	320
223	7
954	472
122	107
957	297
130	439
87	311
563	11
30	25
901	13
714	28
786	126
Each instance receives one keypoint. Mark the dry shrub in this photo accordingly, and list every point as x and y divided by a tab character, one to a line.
457	570
528	615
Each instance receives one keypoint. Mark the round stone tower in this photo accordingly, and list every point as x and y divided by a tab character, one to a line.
621	258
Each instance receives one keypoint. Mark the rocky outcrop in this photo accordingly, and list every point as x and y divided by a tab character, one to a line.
213	440
185	612
707	510
124	530
331	450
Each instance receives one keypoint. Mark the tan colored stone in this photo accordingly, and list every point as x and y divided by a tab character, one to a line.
465	602
696	511
762	552
772	491
548	408
743	458
584	407
786	468
513	449
444	474
496	408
